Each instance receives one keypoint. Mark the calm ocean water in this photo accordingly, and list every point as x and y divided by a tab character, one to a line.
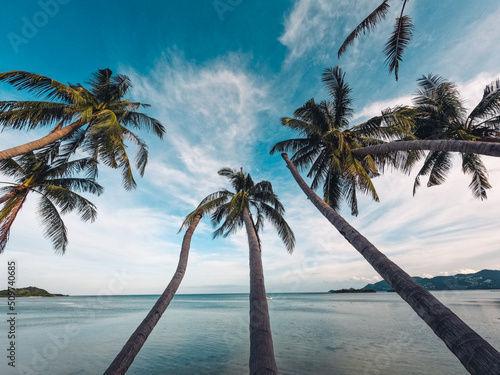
208	334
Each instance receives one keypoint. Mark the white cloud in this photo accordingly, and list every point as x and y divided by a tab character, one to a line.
211	113
307	26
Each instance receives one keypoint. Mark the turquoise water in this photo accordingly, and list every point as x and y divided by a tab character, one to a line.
208	334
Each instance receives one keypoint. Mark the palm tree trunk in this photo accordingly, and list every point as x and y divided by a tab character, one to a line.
471	147
9	219
261	341
9	195
42	142
134	344
475	353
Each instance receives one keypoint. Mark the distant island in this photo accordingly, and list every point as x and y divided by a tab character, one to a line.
30	291
485	279
352	290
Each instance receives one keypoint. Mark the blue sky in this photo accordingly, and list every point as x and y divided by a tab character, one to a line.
219	75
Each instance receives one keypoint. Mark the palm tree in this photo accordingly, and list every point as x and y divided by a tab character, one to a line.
134	344
475	354
33	173
399	40
441	124
95	119
328	143
230	211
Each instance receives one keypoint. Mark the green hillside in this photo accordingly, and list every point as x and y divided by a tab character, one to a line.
485	279
31	291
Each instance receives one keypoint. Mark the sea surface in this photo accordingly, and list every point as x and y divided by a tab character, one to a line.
208	334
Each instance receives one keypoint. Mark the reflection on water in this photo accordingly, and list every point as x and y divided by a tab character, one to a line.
208	334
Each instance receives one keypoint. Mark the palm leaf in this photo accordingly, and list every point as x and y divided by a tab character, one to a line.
279	223
141	121
489	106
54	228
366	25
29	115
334	80
399	40
472	164
332	189
290	145
42	86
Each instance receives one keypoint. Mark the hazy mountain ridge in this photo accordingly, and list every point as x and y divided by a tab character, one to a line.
485	279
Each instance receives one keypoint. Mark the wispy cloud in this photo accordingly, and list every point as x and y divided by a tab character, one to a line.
211	113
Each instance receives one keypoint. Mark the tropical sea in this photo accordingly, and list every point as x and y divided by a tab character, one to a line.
208	334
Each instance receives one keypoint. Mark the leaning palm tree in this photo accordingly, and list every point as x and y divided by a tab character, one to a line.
307	149
442	125
475	353
97	119
397	43
56	187
327	143
231	211
134	344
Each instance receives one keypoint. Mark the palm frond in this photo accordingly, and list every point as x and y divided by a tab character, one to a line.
69	201
429	83
320	168
366	25
284	231
304	157
142	121
334	80
399	40
437	165
27	115
11	168
332	189
489	106
290	145
85	185
303	127
141	156
472	164
54	228
42	86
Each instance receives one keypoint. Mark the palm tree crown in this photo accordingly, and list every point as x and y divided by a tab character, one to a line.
441	115
327	143
226	207
55	186
97	118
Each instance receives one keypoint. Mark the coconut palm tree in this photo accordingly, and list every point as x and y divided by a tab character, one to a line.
397	43
56	188
442	125
231	211
100	114
475	354
134	344
327	143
